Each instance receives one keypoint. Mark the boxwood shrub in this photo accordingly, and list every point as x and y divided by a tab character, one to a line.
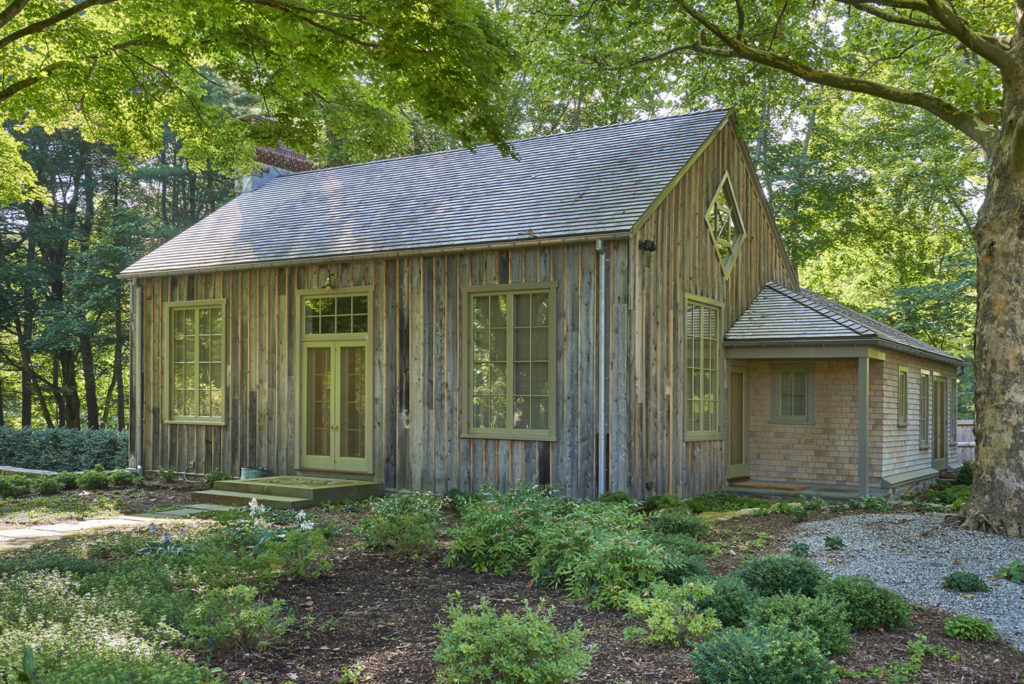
63	449
781	574
868	606
762	654
731	600
796	612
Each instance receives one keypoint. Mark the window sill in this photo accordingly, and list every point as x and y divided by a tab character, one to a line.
514	437
216	422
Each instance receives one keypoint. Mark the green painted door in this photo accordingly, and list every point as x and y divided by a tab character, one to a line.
737	423
335	411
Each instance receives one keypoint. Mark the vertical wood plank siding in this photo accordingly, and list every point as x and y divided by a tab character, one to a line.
417	369
685	262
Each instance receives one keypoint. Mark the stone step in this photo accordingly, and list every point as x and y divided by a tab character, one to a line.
316	489
220	496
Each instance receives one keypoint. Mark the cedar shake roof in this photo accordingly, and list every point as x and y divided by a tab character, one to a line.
781	317
597	182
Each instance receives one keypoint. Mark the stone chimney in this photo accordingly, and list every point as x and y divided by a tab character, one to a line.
273	162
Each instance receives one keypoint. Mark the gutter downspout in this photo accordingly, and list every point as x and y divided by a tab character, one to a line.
602	322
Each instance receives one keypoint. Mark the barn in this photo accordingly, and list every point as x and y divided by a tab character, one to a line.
612	310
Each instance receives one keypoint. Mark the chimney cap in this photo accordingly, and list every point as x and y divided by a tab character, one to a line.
283	157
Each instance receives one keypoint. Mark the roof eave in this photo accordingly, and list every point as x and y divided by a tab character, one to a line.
941	357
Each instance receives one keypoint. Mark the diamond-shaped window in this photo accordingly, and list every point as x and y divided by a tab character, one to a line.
726	225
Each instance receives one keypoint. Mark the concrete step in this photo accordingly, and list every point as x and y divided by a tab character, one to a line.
219	496
316	489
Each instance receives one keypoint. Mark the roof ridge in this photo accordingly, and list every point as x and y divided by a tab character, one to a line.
851	325
513	141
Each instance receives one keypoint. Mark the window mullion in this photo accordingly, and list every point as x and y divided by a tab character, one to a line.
510	331
195	362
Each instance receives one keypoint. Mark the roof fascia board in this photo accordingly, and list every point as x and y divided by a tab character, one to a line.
796	350
679	176
392	254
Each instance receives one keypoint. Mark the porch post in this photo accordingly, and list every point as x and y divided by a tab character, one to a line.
862	424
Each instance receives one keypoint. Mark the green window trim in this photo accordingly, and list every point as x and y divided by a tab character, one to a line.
725	225
924	404
703	358
194	361
902	393
509	351
341	314
793	394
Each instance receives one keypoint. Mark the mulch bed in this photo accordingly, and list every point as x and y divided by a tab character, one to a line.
382	611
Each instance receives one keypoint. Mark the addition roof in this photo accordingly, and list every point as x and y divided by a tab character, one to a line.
596	182
779	316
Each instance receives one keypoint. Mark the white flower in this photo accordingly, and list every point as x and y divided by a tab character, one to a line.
256	508
306	525
300	516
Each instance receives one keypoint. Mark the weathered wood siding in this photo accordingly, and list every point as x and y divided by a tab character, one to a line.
685	262
417	369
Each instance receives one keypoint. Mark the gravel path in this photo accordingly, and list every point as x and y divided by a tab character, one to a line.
911	553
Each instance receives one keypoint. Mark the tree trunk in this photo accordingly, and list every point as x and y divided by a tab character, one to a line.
92	409
997	499
120	339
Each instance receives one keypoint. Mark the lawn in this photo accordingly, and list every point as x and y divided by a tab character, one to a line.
368	596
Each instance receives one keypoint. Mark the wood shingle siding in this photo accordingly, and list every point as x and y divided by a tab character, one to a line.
417	367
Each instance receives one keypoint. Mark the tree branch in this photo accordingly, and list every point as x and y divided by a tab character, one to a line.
12	10
970	125
975	42
16	87
893	17
44	24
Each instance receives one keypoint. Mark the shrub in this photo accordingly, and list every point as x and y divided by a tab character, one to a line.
162	668
834	543
969	628
501	529
659	501
1013	572
682	567
720	501
869	503
678	543
63	448
47	484
618	562
571	536
481	646
964	581
406	522
731	600
615	497
14	485
165	474
678	521
93	479
797	612
299	554
964	476
867	605
765	654
778	574
955	495
68	480
234	619
215	476
670	613
799	550
121	478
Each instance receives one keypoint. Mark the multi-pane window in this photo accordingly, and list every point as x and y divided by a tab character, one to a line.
793	394
901	397
196	362
725	224
510	364
924	406
703	354
336	315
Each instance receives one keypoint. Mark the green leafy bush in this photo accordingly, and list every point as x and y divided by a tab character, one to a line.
764	654
215	476
63	448
678	521
720	501
797	612
500	530
14	485
235	619
297	554
68	480
406	522
731	600
1014	572
480	646
121	478
47	484
615	497
670	613
799	550
779	574
682	567
165	474
161	668
617	563
660	501
93	479
965	475
954	495
571	536
969	628
964	581
867	605
869	503
834	543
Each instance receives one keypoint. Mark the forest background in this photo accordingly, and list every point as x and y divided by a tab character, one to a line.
875	201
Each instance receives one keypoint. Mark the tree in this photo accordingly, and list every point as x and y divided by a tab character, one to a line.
963	64
117	70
